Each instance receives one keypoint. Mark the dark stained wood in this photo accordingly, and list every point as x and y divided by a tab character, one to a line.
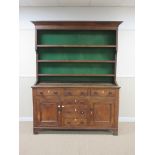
75	108
77	25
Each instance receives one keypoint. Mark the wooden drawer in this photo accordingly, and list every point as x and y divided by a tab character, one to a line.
75	111
49	91
74	100
75	92
103	92
74	122
103	100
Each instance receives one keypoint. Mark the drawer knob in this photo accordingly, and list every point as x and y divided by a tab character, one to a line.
75	119
82	112
95	93
48	91
55	92
58	106
68	93
75	109
82	93
63	106
75	100
102	91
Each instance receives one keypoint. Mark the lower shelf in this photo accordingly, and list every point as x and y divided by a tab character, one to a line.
76	79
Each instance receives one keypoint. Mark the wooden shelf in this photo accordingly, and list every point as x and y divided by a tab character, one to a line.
108	75
96	61
112	46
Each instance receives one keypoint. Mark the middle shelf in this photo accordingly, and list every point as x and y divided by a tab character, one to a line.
94	61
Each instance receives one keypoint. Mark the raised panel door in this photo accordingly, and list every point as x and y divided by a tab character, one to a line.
47	112
103	113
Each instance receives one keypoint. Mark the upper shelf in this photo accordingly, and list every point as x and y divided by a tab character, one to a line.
105	46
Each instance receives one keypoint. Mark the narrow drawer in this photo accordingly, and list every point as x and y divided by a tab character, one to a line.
74	100
68	100
49	91
75	92
103	92
74	122
102	100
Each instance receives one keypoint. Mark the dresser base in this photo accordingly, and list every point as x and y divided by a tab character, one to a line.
38	130
75	107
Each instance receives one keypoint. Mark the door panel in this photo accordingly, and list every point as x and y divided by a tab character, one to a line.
47	112
103	113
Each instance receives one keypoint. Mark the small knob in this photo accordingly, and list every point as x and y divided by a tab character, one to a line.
110	93
95	93
75	109
75	101
82	112
69	93
55	92
82	93
102	91
63	106
48	91
58	106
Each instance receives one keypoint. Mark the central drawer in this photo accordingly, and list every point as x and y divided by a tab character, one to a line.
75	92
74	100
71	122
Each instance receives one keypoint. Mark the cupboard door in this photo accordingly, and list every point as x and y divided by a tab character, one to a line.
103	113
47	114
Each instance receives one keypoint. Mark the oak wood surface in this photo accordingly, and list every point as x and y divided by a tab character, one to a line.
75	106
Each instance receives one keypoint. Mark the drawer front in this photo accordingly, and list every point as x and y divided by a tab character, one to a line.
74	100
102	100
71	122
49	91
75	92
103	92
